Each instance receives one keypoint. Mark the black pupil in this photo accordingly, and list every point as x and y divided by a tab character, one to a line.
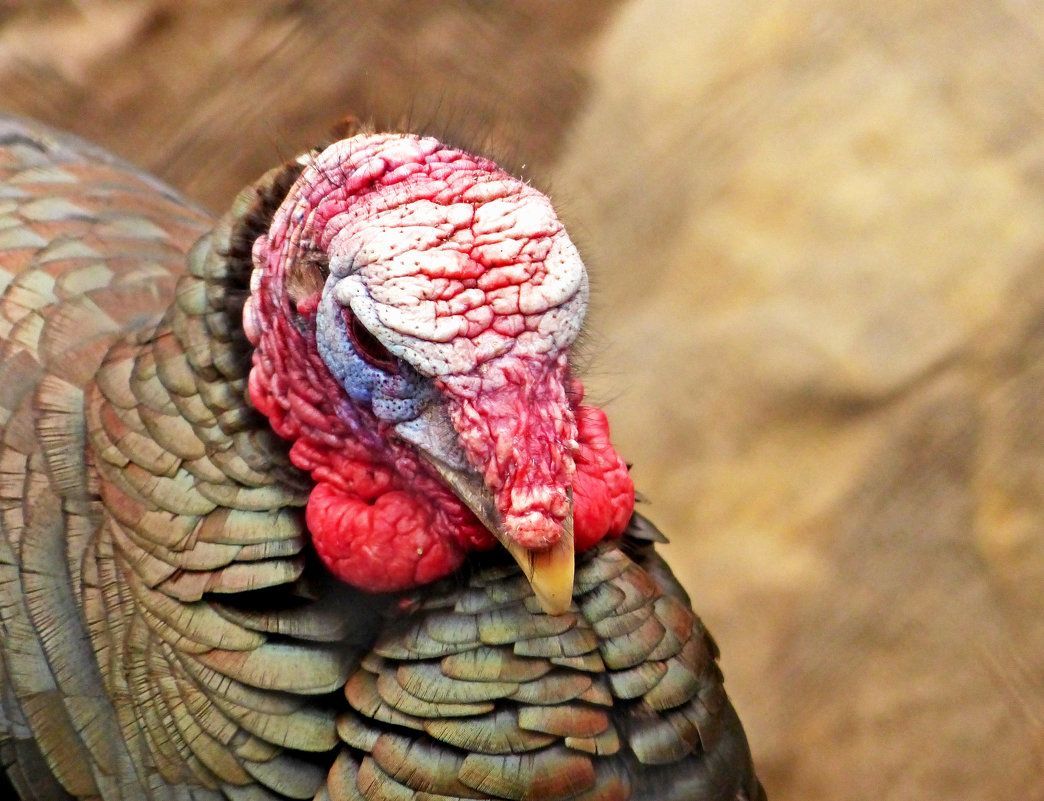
368	346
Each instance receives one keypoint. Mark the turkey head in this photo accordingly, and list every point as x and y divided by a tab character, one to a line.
412	310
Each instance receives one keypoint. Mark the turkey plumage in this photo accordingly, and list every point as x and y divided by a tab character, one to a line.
289	501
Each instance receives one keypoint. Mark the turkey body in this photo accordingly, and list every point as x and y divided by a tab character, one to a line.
167	629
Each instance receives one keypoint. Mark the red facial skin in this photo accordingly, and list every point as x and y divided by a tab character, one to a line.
379	516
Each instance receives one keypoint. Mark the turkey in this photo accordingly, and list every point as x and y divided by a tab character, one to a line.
305	502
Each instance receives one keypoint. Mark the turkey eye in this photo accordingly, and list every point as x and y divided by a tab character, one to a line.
368	346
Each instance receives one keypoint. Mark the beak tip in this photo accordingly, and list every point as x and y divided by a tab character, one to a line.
550	574
557	604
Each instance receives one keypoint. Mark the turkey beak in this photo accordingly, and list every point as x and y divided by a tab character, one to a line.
549	570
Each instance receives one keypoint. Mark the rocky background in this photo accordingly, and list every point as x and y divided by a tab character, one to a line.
816	231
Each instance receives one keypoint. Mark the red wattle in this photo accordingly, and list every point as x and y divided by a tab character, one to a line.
384	546
603	492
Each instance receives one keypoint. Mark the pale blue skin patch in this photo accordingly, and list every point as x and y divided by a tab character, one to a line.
393	397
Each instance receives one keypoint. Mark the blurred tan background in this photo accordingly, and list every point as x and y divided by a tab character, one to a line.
816	231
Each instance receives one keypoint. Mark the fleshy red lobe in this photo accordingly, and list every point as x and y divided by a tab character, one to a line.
603	492
381	546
